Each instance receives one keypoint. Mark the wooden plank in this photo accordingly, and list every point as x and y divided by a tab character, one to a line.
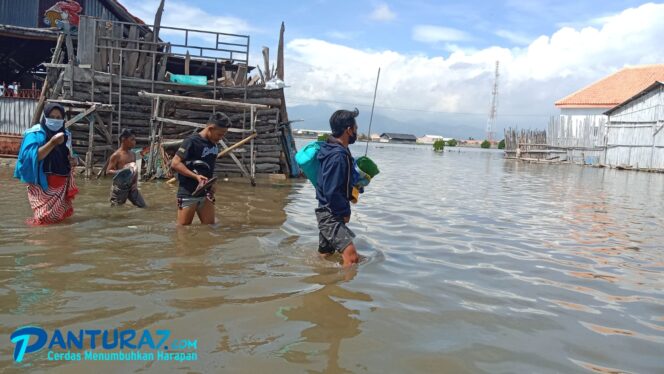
80	116
187	61
179	122
241	75
163	62
280	53
266	63
143	56
236	145
86	43
236	160
151	58
131	58
197	100
102	32
89	155
36	116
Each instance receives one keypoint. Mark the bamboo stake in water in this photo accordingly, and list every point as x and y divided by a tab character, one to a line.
372	111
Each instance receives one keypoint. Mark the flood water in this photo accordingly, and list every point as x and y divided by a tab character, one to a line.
472	264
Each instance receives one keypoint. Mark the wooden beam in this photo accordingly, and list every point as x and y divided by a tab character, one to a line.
36	116
187	61
201	101
236	145
132	56
80	116
241	75
266	63
280	53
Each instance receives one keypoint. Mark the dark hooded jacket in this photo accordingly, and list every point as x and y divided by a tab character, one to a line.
57	161
335	179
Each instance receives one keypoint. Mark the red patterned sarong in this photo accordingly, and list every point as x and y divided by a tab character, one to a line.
54	205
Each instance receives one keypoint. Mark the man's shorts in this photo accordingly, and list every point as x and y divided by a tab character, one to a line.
119	196
195	202
334	234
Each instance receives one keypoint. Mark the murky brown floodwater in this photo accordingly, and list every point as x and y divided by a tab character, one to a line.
474	264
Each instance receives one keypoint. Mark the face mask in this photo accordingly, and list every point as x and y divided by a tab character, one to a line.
54	124
352	138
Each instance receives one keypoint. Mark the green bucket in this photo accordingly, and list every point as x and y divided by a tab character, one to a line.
365	164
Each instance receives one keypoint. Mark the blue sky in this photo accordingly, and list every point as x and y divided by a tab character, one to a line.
366	25
437	58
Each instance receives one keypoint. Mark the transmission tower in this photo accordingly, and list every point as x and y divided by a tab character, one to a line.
494	107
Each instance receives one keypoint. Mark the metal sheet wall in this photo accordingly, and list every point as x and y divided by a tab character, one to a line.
19	12
16	115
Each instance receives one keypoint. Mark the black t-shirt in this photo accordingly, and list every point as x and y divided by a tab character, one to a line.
196	148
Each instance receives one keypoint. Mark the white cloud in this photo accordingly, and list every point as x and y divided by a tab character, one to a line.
183	15
436	34
341	35
382	12
514	37
532	77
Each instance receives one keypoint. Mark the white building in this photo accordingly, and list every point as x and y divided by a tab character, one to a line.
430	139
606	93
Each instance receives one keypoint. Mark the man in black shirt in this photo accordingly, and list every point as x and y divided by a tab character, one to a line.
194	161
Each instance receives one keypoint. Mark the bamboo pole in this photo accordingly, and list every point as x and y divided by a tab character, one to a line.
42	97
236	145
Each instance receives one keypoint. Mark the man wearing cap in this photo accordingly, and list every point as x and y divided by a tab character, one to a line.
334	188
194	162
122	165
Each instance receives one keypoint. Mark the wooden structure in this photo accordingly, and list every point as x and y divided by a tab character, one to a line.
129	68
635	131
629	136
87	116
158	120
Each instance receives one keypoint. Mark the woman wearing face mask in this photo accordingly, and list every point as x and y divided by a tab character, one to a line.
45	164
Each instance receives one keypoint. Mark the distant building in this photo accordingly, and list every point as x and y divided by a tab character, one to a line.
306	133
390	137
430	139
375	137
470	142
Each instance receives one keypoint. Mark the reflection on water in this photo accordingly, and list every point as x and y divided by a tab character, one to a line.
331	320
473	264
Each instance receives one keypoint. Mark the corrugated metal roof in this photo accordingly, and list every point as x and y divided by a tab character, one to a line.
614	89
393	135
94	8
19	13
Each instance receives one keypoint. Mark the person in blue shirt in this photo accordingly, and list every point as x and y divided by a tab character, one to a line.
334	187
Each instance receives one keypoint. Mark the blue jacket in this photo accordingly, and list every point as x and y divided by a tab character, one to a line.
335	177
29	169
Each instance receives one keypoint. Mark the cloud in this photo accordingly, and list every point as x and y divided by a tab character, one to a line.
183	15
436	34
341	35
382	12
436	88
514	37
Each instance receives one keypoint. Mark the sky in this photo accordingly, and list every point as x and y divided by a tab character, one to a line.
437	58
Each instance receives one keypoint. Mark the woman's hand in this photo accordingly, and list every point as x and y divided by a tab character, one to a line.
58	138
